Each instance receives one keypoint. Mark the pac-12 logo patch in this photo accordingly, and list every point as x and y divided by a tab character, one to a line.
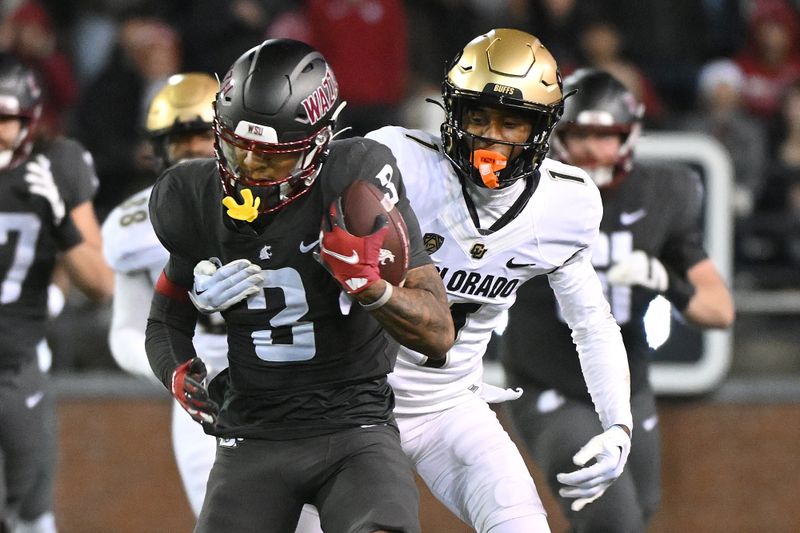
432	242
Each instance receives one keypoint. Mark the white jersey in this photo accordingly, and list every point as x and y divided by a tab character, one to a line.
131	247
129	242
481	271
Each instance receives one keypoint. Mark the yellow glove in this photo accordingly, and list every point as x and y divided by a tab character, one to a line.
247	211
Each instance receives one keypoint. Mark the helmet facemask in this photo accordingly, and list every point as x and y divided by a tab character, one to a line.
21	148
512	71
275	114
274	193
462	147
608	175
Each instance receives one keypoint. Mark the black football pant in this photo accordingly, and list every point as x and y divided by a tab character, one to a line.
25	450
554	431
359	479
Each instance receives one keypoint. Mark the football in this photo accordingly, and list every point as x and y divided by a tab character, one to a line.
361	203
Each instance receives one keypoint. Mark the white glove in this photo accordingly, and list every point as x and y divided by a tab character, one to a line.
639	269
55	300
40	181
217	287
610	449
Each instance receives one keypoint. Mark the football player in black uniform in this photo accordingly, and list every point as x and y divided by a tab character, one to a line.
304	411
46	214
650	243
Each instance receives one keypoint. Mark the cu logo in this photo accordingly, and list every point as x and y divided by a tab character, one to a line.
477	251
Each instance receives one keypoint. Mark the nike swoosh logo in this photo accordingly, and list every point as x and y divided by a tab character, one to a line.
626	219
305	248
32	400
512	264
349	259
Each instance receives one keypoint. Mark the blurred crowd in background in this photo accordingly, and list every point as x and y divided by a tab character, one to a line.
727	68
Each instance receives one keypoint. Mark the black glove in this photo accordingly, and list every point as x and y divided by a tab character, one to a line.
191	393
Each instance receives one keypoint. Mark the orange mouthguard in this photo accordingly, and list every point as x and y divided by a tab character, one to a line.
489	164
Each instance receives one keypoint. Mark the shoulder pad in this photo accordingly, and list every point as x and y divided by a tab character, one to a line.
129	242
573	205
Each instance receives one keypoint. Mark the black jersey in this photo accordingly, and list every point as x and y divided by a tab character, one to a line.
30	241
657	209
303	358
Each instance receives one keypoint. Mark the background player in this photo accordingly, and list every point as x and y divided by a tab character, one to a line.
305	411
494	213
45	214
650	243
178	124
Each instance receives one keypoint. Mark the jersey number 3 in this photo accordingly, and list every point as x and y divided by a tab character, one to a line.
287	339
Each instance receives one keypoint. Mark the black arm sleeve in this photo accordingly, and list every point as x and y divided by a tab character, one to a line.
169	333
67	234
172	320
418	256
684	247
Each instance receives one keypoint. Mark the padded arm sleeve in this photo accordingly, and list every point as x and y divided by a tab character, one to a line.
170	328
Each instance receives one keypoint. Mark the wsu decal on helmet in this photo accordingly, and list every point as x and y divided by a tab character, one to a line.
319	102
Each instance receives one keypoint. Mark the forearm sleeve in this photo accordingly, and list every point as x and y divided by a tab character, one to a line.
170	328
67	235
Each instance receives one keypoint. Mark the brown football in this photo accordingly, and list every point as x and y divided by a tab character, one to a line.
361	203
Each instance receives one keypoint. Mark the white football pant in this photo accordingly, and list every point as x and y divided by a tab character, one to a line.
472	466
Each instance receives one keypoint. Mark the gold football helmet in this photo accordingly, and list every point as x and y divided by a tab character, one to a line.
183	106
185	103
507	69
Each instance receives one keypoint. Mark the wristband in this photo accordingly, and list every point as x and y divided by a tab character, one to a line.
679	291
380	302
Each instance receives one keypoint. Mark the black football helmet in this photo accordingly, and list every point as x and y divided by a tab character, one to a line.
601	104
280	97
507	69
185	104
20	97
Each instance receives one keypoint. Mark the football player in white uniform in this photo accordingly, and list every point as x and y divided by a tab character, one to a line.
495	212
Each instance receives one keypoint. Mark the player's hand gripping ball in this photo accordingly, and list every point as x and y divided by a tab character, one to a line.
364	238
361	203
